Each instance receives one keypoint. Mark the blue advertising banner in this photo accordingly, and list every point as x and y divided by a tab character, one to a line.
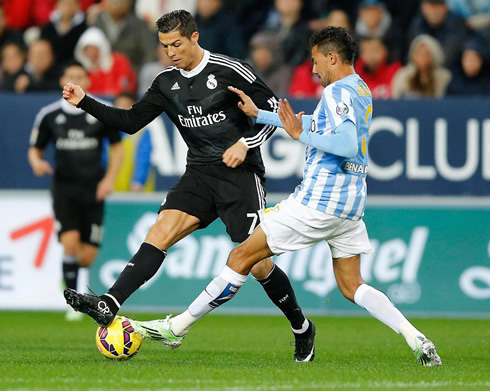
423	147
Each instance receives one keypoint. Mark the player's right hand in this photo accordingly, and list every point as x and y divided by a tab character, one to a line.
42	167
73	93
247	105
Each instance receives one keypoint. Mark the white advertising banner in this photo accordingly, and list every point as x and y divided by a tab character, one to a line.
30	254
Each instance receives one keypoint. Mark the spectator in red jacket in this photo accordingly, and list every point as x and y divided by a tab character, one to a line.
22	14
374	67
8	35
110	73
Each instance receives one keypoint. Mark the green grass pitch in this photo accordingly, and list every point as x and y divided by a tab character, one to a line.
41	351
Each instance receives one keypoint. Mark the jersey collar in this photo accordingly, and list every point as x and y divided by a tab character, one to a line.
197	69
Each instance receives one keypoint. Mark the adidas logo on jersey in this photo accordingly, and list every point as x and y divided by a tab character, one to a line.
175	86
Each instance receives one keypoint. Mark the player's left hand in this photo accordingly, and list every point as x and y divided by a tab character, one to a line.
246	103
235	155
104	188
291	122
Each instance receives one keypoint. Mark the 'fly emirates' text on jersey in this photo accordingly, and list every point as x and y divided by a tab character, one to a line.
334	184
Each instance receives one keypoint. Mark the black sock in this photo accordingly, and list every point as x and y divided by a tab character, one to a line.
143	266
280	291
70	272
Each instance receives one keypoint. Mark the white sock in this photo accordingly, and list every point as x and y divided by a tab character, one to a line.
380	307
410	333
218	291
181	324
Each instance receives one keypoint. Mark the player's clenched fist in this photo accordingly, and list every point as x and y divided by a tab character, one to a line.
73	93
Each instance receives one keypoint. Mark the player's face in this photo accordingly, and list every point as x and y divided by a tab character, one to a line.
322	66
75	75
183	52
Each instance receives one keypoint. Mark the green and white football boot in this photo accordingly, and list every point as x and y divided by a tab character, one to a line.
158	330
426	354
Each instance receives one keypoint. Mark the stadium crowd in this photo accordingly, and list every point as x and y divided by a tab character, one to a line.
407	49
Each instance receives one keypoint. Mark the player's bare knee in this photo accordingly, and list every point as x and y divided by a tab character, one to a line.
87	255
71	250
237	260
158	236
71	242
262	269
86	261
71	247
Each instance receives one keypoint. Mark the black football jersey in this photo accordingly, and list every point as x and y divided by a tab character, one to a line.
78	142
199	103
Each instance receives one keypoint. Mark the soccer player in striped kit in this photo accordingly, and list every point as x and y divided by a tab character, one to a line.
327	205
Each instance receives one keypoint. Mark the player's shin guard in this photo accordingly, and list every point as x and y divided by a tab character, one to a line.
279	289
143	266
218	292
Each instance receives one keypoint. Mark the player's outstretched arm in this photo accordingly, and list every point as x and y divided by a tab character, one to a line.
73	93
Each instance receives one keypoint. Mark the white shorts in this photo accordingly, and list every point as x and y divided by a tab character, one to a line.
291	226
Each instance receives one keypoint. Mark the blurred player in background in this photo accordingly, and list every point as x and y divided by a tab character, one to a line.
224	177
80	184
327	205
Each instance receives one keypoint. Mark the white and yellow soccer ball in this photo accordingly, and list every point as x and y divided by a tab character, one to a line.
118	341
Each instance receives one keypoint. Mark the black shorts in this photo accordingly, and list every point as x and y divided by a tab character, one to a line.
83	216
232	194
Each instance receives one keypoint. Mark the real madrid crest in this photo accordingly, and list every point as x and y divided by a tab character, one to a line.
60	119
212	83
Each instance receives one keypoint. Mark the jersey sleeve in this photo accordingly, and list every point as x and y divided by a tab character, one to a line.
337	103
341	143
41	133
130	121
264	99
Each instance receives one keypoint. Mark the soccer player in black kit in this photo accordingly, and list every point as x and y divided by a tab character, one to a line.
224	175
80	184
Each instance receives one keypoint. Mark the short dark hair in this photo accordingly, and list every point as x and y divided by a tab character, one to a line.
181	20
335	39
72	63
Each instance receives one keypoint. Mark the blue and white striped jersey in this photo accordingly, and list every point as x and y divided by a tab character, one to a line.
334	184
